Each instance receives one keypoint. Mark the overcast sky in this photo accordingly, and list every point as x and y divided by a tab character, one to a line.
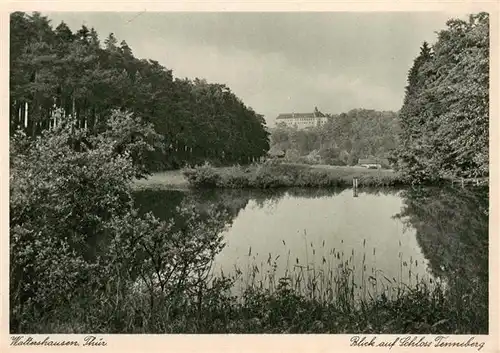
280	62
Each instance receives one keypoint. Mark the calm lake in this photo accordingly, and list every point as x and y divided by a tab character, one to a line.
382	236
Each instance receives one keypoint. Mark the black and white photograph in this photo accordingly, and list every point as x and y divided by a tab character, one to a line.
250	173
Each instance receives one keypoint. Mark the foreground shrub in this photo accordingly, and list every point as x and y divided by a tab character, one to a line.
77	242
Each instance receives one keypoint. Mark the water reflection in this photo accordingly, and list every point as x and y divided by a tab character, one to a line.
165	204
452	229
317	234
385	236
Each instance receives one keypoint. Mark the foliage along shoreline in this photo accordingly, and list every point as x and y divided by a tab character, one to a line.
277	174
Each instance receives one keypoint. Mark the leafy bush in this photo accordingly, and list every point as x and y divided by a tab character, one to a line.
202	176
78	247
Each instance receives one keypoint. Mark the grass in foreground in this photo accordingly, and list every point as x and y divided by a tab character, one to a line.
270	305
277	175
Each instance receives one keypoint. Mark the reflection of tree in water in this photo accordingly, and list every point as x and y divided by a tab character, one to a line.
226	204
223	206
165	204
162	203
272	196
452	229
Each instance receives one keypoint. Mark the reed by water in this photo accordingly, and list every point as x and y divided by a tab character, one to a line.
332	296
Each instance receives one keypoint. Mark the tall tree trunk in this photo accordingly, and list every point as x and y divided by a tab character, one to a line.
93	121
26	115
19	121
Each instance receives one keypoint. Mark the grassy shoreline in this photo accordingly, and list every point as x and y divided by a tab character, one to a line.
276	306
167	180
283	175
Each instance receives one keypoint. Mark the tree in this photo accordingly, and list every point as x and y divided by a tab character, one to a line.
444	118
63	33
110	43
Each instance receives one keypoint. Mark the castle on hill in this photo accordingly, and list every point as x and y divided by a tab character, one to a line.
302	120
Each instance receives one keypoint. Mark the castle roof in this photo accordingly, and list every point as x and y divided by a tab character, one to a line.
300	115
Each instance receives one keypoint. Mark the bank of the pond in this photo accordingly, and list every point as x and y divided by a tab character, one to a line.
282	175
211	309
168	180
311	297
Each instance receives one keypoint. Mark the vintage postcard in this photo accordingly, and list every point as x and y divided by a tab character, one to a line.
250	177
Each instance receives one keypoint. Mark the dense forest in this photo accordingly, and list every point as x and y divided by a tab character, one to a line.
56	68
346	137
445	116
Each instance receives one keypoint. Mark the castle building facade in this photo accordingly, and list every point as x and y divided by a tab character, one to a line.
302	120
